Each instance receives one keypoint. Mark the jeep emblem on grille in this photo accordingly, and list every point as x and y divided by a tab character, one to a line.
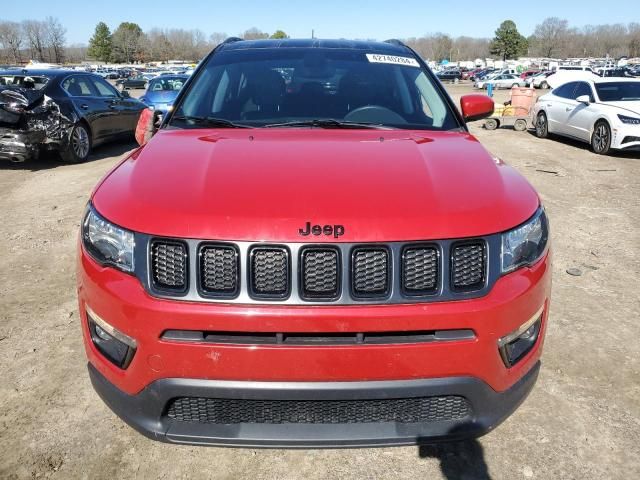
335	230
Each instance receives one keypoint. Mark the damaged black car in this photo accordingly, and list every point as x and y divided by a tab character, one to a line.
61	110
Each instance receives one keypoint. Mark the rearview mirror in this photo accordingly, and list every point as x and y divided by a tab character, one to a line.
476	107
584	99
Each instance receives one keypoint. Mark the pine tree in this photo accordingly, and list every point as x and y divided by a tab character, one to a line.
100	46
508	43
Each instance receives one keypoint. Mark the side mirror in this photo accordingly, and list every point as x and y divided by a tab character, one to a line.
476	107
147	126
125	94
584	99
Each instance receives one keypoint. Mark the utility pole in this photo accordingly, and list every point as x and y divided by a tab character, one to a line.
312	34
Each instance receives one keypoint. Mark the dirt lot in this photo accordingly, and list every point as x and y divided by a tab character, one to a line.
581	421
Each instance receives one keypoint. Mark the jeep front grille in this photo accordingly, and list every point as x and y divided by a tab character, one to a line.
269	272
319	274
169	261
219	270
420	269
468	266
370	272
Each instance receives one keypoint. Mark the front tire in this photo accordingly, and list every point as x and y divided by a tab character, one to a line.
542	125
544	85
78	145
601	138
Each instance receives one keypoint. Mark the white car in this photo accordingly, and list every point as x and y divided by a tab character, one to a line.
539	80
501	81
604	112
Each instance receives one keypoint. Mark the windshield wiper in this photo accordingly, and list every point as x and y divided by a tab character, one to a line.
328	123
209	121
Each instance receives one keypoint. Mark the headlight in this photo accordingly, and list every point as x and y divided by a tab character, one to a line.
629	120
525	244
107	243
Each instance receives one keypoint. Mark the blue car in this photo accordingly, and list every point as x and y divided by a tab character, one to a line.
162	91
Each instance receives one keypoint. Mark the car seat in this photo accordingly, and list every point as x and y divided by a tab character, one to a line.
267	89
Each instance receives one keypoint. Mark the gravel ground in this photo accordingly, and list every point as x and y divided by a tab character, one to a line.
581	421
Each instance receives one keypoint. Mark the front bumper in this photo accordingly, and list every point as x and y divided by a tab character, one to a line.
146	411
626	137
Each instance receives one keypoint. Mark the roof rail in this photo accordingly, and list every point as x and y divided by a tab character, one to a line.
395	41
232	40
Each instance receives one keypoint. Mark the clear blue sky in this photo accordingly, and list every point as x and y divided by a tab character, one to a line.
375	19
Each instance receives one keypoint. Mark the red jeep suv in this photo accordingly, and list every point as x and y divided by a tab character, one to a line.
312	250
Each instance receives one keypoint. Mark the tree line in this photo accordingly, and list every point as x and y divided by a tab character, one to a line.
552	38
42	40
129	43
45	40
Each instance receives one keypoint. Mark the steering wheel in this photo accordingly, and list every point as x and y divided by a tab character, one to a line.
374	114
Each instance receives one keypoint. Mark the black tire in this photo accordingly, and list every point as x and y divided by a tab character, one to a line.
520	125
544	85
491	124
601	138
542	125
78	145
515	85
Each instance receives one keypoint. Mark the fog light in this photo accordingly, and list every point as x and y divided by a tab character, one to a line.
517	344
117	347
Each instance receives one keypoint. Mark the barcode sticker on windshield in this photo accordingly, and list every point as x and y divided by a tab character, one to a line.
392	59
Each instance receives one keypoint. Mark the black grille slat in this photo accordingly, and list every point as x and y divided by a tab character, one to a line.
468	266
236	411
320	273
420	270
370	272
169	265
270	272
219	270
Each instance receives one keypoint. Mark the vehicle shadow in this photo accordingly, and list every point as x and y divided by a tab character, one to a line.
458	460
586	147
51	160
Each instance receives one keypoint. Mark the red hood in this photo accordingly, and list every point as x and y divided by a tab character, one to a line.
266	184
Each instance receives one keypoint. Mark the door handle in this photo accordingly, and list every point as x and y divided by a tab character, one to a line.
568	109
84	106
112	107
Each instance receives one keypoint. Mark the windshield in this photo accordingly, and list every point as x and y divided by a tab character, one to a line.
163	84
276	86
618	91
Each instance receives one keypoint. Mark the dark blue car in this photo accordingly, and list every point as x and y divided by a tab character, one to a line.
162	91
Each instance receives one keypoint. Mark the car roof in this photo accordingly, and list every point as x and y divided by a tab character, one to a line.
390	46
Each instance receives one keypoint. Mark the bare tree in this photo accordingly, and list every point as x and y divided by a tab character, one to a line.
56	38
35	35
216	38
11	40
254	34
550	36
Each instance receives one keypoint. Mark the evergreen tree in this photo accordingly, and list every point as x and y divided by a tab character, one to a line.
508	43
100	46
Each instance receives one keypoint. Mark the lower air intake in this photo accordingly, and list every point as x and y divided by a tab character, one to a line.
401	410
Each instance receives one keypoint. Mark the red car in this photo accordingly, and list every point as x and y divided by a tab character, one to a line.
324	267
528	73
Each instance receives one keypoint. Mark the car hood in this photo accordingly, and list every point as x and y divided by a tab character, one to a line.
631	107
266	184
